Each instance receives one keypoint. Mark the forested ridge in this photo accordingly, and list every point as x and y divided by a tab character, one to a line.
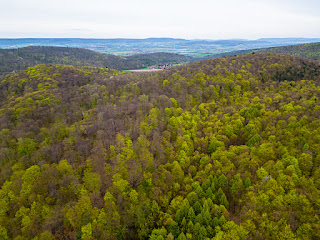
22	58
226	148
308	50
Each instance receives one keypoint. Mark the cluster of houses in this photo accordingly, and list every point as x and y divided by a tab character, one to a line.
160	66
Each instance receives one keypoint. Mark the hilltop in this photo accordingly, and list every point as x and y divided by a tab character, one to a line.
22	58
226	148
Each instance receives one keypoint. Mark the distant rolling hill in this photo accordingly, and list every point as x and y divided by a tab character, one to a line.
125	47
309	50
22	58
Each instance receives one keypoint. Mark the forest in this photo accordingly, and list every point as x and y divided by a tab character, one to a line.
12	60
308	50
226	148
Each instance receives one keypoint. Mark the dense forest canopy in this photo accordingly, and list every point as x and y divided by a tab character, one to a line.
309	50
22	58
226	148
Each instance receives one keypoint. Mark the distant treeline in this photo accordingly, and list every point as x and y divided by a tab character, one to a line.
12	60
22	58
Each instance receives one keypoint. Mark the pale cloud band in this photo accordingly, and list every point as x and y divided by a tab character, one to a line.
140	19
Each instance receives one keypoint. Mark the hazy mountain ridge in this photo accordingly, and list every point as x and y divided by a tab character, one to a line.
224	148
122	46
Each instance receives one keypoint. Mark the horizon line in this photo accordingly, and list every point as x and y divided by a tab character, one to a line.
189	39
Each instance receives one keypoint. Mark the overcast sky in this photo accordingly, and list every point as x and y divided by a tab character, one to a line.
196	19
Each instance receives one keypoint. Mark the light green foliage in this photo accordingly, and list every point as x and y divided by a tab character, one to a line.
28	178
92	180
82	213
6	194
174	102
46	236
214	145
179	174
165	83
3	233
120	183
158	234
144	152
134	196
231	231
182	236
123	153
26	146
65	168
262	173
86	231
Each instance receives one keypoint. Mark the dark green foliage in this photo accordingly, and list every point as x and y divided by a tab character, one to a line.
191	214
174	229
222	180
197	208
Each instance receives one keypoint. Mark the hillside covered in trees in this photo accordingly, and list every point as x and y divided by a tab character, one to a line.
225	148
22	58
309	50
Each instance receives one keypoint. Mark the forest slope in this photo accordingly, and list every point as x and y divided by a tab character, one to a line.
310	51
220	149
22	58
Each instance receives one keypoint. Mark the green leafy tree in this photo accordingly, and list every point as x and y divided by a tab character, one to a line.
222	180
174	229
26	146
